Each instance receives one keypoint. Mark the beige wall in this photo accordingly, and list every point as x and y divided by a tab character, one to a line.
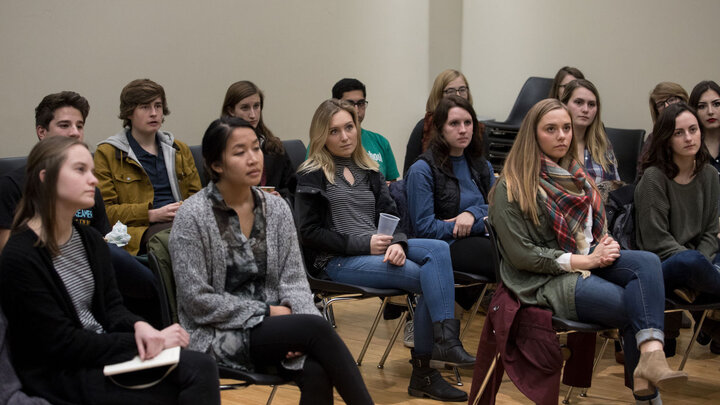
624	47
294	50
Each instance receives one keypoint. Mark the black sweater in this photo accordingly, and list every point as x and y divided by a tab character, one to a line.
54	356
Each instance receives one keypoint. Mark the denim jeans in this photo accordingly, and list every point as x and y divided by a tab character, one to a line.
690	268
629	295
427	271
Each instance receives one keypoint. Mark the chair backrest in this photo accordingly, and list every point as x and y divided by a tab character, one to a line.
196	151
9	164
495	247
295	149
534	90
161	266
626	144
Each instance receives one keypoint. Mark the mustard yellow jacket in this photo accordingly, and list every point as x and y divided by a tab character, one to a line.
126	188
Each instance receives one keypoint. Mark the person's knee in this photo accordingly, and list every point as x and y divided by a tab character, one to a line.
691	257
202	367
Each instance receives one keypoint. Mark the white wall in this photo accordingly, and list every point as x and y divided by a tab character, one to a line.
294	50
624	47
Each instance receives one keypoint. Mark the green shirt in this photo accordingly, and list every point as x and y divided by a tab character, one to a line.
672	217
378	147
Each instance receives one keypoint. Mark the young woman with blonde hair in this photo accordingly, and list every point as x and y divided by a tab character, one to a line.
449	82
339	199
593	146
557	254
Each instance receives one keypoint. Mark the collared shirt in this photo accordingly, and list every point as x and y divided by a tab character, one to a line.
596	172
155	168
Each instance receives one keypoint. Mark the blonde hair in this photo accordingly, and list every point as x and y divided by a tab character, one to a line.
442	80
595	137
663	91
319	157
522	165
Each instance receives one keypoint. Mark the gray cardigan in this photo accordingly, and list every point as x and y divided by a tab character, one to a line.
198	257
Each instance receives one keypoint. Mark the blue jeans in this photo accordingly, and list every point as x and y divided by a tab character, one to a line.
628	295
427	271
690	268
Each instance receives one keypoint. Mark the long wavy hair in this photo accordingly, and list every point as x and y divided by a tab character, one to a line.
660	153
596	139
244	89
40	196
522	165
319	157
439	145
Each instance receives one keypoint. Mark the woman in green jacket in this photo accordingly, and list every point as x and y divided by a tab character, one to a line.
556	252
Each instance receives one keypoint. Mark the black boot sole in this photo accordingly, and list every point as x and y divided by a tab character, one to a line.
422	394
439	364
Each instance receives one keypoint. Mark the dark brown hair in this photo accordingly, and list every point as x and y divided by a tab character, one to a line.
439	146
215	140
559	76
244	89
660	153
45	111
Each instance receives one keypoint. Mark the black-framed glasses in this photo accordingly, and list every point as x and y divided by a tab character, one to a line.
460	91
667	102
358	104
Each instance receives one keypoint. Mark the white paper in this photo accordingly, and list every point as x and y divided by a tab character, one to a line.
165	358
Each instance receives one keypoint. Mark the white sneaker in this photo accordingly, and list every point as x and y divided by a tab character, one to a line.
409	334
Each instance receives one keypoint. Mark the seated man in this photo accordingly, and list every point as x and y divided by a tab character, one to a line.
64	114
376	145
144	174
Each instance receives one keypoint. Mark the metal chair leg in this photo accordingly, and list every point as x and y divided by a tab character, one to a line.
692	341
372	331
393	338
597	360
458	379
272	395
473	312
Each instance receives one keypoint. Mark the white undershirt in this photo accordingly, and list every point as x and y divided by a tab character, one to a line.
564	259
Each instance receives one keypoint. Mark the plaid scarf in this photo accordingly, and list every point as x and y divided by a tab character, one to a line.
568	195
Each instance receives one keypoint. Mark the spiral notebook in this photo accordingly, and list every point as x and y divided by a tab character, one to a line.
165	358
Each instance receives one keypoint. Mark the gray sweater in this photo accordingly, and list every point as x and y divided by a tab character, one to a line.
198	257
672	217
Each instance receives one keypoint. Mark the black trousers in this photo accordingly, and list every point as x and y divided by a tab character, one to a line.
328	363
472	255
193	381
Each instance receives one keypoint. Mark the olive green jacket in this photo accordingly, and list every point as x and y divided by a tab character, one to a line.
528	266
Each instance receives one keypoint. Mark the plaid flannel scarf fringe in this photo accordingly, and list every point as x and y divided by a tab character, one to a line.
569	193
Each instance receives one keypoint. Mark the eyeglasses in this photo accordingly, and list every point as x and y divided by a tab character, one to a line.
660	105
358	104
460	91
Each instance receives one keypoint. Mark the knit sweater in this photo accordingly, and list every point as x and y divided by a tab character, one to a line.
672	217
198	256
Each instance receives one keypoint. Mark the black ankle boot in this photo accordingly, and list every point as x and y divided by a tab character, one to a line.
427	382
448	350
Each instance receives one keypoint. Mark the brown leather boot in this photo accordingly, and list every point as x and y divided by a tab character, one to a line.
653	371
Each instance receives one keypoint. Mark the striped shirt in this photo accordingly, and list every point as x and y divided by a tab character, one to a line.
352	206
74	270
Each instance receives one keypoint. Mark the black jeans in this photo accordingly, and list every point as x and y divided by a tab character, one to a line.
472	255
328	363
194	381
